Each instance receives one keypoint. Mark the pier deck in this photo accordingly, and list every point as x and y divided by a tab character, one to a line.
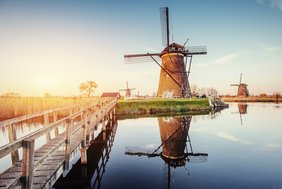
40	168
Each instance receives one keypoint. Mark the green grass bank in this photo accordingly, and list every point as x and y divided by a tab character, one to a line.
156	106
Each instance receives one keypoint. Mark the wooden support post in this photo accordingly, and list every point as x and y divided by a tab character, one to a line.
97	121
111	123
104	128
111	115
27	164
114	110
46	123
83	148
55	118
69	123
12	137
88	126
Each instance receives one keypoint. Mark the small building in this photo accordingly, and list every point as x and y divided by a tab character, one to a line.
111	94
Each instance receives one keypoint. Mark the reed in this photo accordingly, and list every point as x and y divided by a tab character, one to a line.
11	107
275	99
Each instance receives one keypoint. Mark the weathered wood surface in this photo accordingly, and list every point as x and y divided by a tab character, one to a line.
42	167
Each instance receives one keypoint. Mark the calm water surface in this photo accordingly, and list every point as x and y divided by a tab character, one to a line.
243	144
239	147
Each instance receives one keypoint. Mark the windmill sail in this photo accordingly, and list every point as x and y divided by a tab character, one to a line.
196	50
141	58
164	26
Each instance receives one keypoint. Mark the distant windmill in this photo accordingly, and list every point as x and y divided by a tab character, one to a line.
127	90
173	80
242	88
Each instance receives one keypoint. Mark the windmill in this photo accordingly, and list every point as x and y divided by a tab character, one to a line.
127	90
173	81
242	88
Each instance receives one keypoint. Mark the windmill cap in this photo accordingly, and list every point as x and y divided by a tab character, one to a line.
173	48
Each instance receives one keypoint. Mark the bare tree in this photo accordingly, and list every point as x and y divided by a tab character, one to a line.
88	88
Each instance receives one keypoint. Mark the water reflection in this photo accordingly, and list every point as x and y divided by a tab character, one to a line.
242	108
174	133
98	154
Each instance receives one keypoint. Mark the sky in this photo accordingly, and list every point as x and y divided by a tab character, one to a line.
53	46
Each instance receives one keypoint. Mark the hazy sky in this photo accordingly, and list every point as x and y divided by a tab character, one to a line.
53	46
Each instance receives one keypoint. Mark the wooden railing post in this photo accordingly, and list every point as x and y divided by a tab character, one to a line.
12	137
97	121
46	123
83	141
114	111
69	123
27	164
88	122
104	127
55	118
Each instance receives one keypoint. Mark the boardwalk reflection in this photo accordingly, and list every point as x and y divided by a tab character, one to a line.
90	175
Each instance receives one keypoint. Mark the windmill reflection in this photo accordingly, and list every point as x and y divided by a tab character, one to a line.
242	108
174	133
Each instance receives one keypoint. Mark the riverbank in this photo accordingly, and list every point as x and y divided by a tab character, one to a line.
157	106
274	99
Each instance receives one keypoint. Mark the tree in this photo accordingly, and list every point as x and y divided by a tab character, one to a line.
88	88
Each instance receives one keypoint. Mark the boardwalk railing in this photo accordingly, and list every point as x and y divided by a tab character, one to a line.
40	168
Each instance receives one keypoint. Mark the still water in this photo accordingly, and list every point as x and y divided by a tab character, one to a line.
239	147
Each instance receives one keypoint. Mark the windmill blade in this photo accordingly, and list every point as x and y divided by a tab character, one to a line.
164	25
141	151
141	55
140	58
236	85
196	50
240	78
198	157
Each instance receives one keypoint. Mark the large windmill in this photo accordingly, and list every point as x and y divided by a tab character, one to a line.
242	88
174	73
127	90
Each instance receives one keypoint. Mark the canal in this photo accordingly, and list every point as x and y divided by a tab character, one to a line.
238	147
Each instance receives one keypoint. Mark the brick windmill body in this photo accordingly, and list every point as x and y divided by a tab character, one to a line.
173	80
242	88
127	90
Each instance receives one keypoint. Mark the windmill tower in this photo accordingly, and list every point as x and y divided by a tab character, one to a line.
242	88
127	90
173	80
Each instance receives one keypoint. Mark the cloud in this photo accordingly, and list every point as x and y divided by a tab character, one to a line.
269	48
229	58
272	3
272	145
232	138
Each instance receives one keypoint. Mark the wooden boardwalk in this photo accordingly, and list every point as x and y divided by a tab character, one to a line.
42	167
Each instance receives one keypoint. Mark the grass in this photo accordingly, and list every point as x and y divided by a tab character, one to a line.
152	106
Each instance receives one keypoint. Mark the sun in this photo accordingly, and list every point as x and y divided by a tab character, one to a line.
45	84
